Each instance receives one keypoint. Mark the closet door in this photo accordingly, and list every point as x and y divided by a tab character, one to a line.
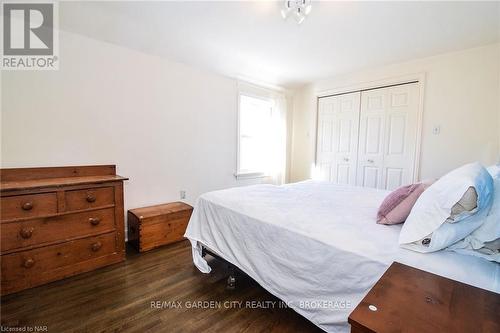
388	133
401	135
338	129
371	138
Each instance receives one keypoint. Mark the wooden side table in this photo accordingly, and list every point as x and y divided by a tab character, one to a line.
406	299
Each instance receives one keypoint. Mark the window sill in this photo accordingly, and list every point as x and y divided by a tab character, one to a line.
250	175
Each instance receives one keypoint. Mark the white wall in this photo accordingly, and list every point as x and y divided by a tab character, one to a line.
461	96
165	125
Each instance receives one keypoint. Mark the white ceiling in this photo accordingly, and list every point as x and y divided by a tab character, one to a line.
250	40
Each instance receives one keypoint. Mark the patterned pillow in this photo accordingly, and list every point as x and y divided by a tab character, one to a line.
397	205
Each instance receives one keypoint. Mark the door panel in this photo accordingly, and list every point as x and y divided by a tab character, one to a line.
388	133
371	138
375	101
344	135
327	136
401	132
337	144
394	178
325	170
373	142
343	174
397	134
370	176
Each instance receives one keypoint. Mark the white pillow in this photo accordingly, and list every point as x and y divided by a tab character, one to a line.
449	233
428	226
488	255
489	231
494	170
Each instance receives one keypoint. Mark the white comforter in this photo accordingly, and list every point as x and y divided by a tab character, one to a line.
315	245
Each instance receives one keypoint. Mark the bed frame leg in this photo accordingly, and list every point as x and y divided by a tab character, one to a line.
231	280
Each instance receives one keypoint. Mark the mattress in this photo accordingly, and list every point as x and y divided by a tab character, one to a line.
315	245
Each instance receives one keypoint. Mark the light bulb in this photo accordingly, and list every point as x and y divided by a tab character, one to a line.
308	9
299	17
284	13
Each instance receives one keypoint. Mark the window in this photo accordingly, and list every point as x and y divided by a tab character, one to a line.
256	137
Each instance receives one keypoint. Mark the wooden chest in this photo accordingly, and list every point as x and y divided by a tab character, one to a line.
57	222
154	226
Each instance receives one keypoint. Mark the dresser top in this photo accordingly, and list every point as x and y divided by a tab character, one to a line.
32	178
406	299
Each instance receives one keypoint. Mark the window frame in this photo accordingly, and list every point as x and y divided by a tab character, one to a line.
239	174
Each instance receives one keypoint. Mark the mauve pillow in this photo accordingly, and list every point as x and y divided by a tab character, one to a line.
398	204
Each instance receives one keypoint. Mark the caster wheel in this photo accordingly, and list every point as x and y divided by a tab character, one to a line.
231	282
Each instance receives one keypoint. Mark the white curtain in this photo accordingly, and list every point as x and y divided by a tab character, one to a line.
277	170
277	165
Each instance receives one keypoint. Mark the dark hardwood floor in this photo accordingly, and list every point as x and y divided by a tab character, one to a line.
119	297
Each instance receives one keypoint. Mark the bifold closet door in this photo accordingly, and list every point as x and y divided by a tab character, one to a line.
387	136
337	141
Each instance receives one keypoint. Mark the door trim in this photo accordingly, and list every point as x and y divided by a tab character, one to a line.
379	84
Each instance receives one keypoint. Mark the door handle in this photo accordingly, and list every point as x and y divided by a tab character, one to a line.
346	159
370	161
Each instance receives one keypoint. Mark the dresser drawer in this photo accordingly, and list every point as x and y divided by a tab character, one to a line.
34	267
32	232
28	206
89	198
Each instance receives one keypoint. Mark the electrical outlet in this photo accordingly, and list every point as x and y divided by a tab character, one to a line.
182	194
436	130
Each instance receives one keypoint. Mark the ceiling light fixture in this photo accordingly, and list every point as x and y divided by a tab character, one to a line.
299	9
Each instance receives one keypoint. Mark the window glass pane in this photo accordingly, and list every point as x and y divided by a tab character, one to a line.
255	134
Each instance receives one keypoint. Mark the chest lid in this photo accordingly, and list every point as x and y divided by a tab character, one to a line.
168	211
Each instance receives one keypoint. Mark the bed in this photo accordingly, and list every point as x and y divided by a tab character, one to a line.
315	245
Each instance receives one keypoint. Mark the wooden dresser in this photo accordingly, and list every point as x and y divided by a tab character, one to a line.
57	222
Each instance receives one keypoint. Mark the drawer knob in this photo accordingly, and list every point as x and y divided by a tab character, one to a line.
28	263
26	232
91	197
94	220
27	206
96	246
